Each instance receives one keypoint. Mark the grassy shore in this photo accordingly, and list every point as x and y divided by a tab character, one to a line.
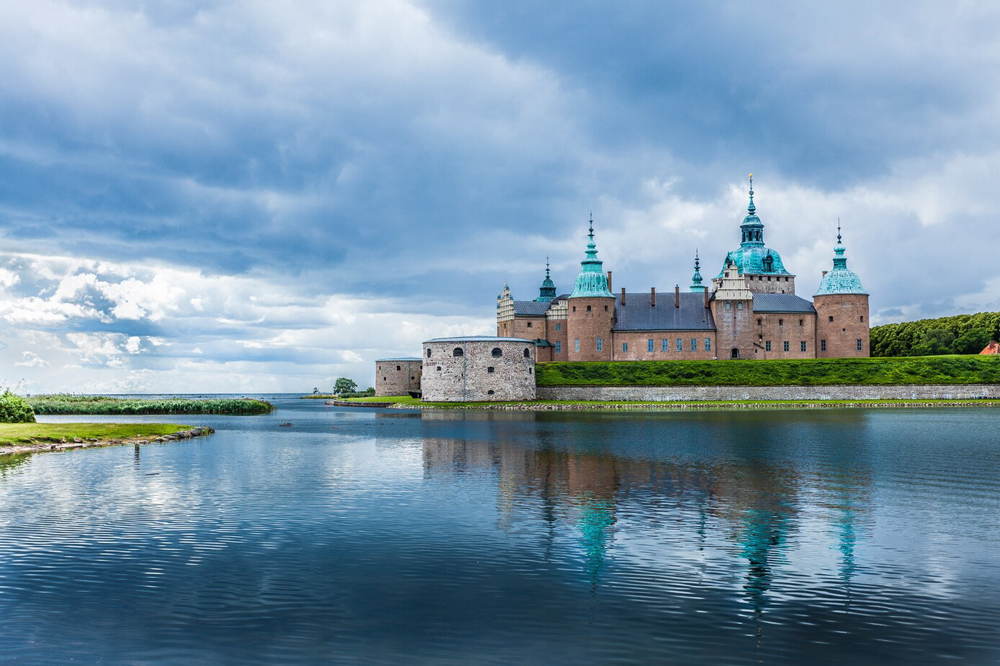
406	402
87	404
803	372
18	438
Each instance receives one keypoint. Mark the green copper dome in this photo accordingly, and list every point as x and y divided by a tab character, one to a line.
840	280
753	256
547	292
591	281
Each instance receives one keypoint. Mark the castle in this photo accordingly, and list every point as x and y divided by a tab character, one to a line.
751	311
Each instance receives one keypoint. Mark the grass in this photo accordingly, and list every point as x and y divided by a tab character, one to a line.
30	433
804	372
87	404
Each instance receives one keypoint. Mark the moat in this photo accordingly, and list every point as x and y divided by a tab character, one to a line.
450	537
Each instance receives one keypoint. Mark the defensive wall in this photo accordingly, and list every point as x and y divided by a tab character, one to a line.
397	376
711	393
478	369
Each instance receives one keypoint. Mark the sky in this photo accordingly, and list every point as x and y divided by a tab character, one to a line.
246	196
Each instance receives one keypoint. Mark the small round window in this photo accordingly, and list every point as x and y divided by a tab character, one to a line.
496	352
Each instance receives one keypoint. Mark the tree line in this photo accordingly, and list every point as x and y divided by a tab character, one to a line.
961	334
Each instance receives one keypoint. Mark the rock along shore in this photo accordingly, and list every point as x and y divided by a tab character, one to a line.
65	445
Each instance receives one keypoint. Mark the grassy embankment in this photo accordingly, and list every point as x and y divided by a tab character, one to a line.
84	404
805	372
34	433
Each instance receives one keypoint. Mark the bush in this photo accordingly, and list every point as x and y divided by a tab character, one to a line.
961	334
14	409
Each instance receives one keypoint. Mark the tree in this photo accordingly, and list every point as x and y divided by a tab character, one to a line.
344	385
315	389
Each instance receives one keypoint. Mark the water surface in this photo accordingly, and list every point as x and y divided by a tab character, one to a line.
378	537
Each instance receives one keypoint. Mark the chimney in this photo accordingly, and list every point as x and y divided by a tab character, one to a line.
706	298
652	296
623	295
677	296
609	280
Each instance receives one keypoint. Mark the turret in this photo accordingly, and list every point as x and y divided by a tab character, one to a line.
841	302
591	310
547	292
733	309
696	284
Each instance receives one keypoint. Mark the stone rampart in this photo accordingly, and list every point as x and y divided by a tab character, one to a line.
710	393
478	369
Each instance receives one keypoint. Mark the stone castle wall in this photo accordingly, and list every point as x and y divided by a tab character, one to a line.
477	374
689	393
397	376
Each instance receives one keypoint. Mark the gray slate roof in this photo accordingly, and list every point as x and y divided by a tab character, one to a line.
781	303
639	315
530	308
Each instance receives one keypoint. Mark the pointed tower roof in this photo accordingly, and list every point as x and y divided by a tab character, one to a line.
696	284
752	256
591	282
840	280
547	292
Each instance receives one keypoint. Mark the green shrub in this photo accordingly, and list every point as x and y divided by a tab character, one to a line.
14	409
84	404
961	334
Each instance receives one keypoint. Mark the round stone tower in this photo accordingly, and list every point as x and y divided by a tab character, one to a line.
591	310
841	311
478	369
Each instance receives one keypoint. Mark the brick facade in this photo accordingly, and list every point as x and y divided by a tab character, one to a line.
590	321
639	346
778	328
842	321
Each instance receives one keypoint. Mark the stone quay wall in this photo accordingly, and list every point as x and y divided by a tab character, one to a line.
478	370
712	393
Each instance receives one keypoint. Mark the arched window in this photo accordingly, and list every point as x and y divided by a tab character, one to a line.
781	322
428	353
398	368
490	392
458	351
735	353
490	369
527	354
496	352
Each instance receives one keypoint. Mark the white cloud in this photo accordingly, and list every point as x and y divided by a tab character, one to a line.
31	360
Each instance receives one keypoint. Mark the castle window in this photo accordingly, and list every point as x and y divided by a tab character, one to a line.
664	345
822	345
558	327
496	352
739	306
694	344
802	322
624	346
802	345
862	317
439	368
767	346
383	379
576	345
529	324
531	371
527	354
398	368
605	308
490	369
760	321
600	344
412	378
574	308
490	392
649	344
428	353
558	347
768	278
786	345
729	306
458	351
859	344
781	322
680	345
831	318
588	308
708	344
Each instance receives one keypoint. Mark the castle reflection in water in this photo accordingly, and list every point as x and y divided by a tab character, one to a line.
744	499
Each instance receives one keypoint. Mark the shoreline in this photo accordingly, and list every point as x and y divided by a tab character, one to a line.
569	406
41	445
